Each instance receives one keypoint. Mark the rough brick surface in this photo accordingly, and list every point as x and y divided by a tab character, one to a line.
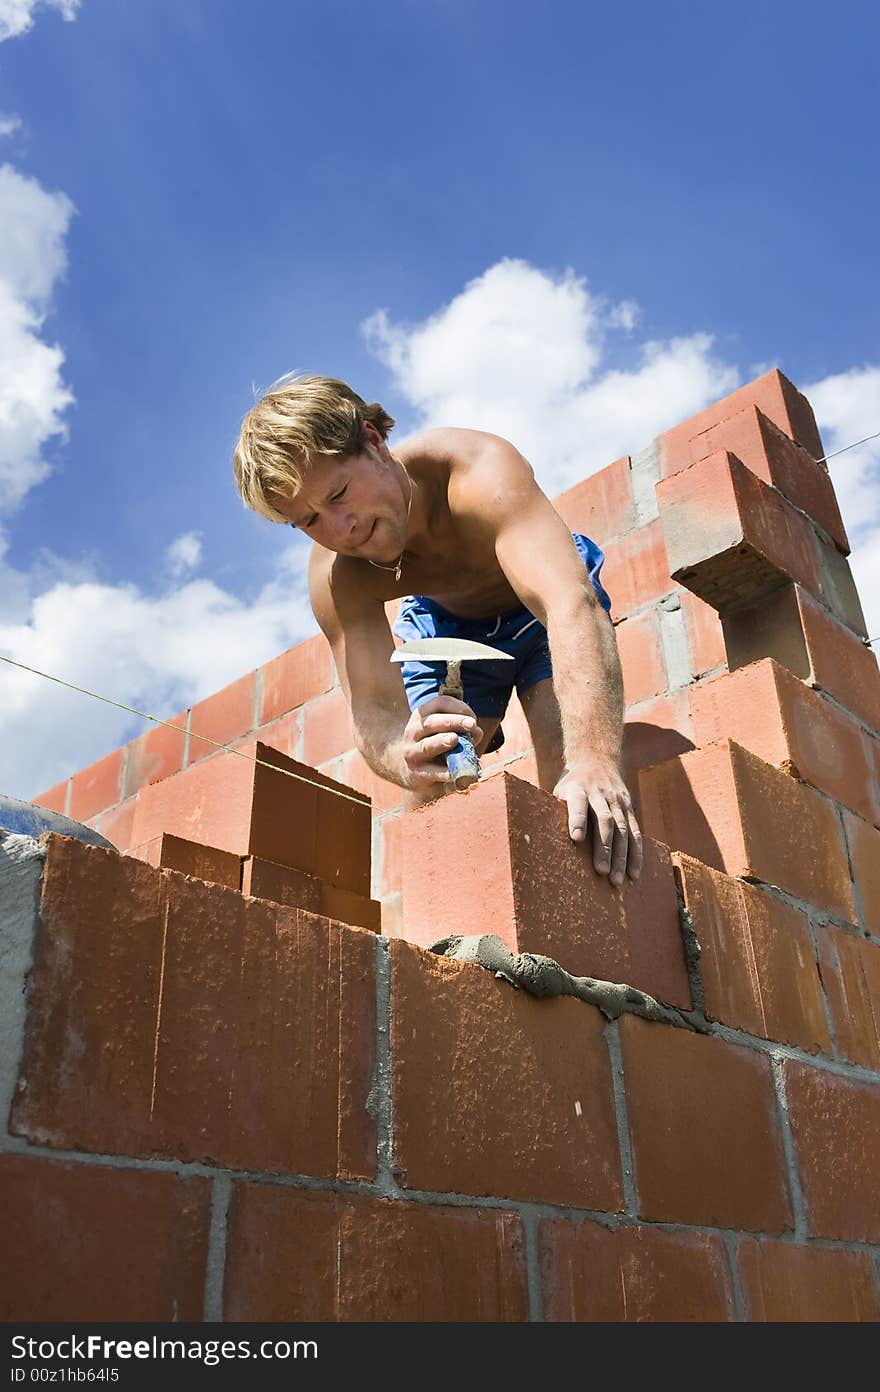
771	454
632	1274
654	732
769	711
803	637
538	890
705	635
863	842
851	973
167	1016
116	824
264	880
293	1255
307	822
706	1142
757	962
636	570
190	858
732	539
225	716
295	676
774	395
786	1281
600	506
835	1123
86	1242
327	728
641	657
495	1092
732	811
154	755
96	788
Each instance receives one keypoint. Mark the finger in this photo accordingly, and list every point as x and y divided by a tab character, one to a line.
435	746
603	834
576	800
442	723
620	847
634	862
446	703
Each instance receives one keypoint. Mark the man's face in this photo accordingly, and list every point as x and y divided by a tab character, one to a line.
356	505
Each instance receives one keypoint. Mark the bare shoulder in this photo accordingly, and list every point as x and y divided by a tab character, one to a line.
482	467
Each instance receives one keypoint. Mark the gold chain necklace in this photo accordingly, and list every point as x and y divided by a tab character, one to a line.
398	566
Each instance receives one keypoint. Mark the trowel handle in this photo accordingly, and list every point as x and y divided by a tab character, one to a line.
463	763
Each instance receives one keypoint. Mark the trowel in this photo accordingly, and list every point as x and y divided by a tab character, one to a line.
462	761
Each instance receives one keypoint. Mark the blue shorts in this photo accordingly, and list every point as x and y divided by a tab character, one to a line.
487	685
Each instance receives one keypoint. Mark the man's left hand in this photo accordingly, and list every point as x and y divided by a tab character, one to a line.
595	792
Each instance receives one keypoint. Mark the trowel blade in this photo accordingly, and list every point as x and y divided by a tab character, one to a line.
447	650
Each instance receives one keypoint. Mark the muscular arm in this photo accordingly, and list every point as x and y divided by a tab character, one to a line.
403	748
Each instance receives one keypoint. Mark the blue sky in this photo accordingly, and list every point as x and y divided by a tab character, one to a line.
574	224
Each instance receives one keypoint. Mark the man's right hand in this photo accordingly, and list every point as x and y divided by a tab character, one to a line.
431	732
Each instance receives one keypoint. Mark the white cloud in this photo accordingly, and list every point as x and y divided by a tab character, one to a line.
158	653
184	553
33	395
9	125
519	353
17	16
847	408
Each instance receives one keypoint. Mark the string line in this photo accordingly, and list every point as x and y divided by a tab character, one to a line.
144	715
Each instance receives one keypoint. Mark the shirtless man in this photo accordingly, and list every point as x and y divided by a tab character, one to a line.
454	520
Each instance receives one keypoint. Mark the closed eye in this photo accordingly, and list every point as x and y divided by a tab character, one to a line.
340	494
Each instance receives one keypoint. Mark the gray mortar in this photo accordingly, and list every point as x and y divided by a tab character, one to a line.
21	873
826	1005
674	643
531	1223
739	1304
216	1262
691	945
378	1102
612	1039
797	1195
644	476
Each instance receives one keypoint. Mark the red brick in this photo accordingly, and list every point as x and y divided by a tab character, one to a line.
634	1274
89	1243
787	1281
641	657
727	808
96	788
392	916
837	589
787	724
116	825
284	735
705	635
600	506
327	729
655	731
225	716
54	798
772	454
264	880
851	973
171	1017
732	539
307	822
295	677
294	1255
154	755
706	1143
774	395
757	962
495	1092
636	570
792	628
863	842
190	858
389	832
538	890
835	1123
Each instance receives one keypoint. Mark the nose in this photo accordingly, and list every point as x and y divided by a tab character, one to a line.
344	527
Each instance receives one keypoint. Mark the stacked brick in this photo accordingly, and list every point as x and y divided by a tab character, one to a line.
320	1123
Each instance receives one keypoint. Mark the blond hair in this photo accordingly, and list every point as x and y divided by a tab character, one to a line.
297	417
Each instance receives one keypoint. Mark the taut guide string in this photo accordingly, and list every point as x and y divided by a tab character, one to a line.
262	762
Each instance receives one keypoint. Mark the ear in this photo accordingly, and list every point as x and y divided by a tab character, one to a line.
374	438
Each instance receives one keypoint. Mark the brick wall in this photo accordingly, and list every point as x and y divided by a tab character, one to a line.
243	1103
